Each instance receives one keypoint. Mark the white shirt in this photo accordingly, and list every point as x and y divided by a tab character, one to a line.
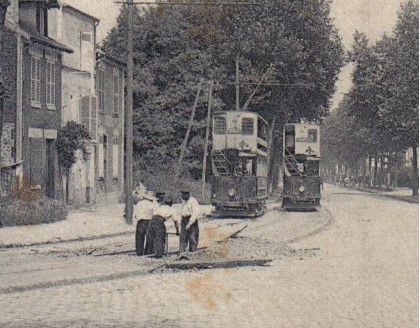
144	210
167	212
191	208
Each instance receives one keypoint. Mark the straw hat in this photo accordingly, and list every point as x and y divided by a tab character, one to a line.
150	195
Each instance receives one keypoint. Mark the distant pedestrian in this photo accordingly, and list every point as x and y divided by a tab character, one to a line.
143	213
156	233
189	224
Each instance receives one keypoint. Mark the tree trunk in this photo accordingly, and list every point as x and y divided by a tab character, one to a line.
375	172
370	172
382	173
415	172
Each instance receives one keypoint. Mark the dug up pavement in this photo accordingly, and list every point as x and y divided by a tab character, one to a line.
353	263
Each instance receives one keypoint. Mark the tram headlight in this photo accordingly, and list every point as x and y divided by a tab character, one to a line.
231	192
301	188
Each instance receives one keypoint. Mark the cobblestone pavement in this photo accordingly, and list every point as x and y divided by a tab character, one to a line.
364	274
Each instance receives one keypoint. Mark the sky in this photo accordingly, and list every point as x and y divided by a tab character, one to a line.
372	17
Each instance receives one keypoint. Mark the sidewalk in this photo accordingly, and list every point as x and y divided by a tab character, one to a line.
403	194
81	224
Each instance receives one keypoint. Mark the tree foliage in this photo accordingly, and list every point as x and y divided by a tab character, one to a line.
176	46
381	110
71	138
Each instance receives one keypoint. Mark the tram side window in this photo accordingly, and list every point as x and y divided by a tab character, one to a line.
262	129
248	126
312	135
220	125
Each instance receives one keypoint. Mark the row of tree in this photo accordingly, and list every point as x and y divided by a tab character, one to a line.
379	117
294	43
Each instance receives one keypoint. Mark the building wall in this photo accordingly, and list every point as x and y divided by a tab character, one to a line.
9	61
109	170
40	127
66	27
75	86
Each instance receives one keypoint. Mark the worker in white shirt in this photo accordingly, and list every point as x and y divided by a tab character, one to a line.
156	233
143	213
190	211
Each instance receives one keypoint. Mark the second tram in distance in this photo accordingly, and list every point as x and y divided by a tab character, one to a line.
301	158
239	164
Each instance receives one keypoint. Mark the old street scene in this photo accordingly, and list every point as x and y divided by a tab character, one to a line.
209	163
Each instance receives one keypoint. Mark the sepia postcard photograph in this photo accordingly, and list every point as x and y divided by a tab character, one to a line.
209	163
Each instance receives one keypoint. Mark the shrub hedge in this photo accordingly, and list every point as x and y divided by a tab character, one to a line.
18	212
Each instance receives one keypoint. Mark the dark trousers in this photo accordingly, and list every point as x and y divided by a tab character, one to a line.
188	237
156	236
141	230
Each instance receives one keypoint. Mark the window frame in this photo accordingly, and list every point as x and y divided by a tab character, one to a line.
50	83
116	91
243	130
101	89
315	133
216	131
36	63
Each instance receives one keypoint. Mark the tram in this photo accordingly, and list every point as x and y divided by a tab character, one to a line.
239	164
301	158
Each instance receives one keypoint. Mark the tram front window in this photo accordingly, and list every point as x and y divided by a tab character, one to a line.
219	125
248	126
245	167
312	135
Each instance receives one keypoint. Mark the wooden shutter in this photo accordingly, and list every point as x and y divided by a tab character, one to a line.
37	162
117	99
115	160
85	112
93	118
87	50
101	160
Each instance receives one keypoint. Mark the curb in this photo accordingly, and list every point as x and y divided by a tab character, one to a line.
52	242
400	198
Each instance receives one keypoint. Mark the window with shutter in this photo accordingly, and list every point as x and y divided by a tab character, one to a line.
115	160
117	93
87	52
93	118
100	79
50	86
101	160
89	115
85	112
35	81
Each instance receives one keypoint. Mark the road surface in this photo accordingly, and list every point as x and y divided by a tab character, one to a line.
352	264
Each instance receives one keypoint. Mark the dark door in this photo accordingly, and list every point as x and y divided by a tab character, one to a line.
105	162
49	190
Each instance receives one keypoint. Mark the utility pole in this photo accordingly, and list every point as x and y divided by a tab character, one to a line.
187	134
4	4
130	69
237	83
257	87
206	144
129	120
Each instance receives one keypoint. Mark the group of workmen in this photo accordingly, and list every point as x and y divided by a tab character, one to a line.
151	213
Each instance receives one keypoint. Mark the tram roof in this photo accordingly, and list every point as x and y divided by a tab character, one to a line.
240	112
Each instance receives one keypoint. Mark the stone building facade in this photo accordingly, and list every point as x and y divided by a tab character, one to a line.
92	90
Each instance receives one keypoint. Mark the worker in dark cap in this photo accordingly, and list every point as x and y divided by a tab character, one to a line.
160	195
190	212
156	235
